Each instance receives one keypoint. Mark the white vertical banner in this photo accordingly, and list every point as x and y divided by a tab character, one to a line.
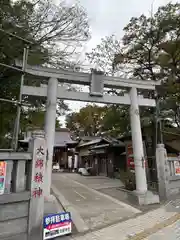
76	161
69	161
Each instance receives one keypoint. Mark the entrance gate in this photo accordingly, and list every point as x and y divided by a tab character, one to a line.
96	82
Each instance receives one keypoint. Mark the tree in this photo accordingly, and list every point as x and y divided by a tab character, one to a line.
116	121
93	120
35	118
144	38
63	29
146	54
56	31
153	57
103	54
88	120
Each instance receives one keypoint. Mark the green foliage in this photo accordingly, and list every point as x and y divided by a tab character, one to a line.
94	120
149	50
56	31
35	118
116	120
88	120
144	38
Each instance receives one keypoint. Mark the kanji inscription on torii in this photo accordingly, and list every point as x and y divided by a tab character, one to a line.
39	166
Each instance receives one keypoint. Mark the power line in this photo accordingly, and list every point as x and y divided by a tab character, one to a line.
8	66
14	102
15	36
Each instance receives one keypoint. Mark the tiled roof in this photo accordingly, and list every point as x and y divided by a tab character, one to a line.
88	138
62	138
98	140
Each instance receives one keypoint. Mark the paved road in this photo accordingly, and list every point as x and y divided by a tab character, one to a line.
111	187
96	182
96	210
99	212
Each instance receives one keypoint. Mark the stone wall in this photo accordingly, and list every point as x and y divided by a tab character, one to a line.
15	200
22	197
168	178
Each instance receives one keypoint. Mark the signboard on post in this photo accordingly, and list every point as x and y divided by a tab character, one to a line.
2	176
56	225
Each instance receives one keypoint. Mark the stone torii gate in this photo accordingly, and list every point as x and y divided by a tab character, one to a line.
96	82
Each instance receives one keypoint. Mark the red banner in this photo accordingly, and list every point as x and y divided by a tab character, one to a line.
130	157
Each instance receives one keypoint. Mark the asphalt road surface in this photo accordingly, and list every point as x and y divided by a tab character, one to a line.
96	210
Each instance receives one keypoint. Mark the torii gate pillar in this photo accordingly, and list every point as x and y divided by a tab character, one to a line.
50	124
140	172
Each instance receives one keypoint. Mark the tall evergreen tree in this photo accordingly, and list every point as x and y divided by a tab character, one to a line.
56	31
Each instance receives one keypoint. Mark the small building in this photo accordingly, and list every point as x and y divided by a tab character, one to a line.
64	146
102	154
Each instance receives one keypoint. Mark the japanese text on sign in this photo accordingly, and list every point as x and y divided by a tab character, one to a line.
57	225
38	172
40	151
57	218
37	192
39	163
38	177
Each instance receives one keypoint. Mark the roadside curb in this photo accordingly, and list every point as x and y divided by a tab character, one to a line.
135	229
147	232
76	218
127	206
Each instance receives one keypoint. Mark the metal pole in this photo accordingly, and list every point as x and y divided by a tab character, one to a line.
159	134
160	129
156	121
25	56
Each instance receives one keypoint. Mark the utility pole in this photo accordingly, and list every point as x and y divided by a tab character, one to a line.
25	57
159	134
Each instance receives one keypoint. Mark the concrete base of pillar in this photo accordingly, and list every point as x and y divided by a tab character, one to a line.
144	198
50	198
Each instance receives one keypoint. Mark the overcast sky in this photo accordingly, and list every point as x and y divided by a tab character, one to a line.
108	17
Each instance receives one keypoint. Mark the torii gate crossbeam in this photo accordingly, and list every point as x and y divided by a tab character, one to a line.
97	83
